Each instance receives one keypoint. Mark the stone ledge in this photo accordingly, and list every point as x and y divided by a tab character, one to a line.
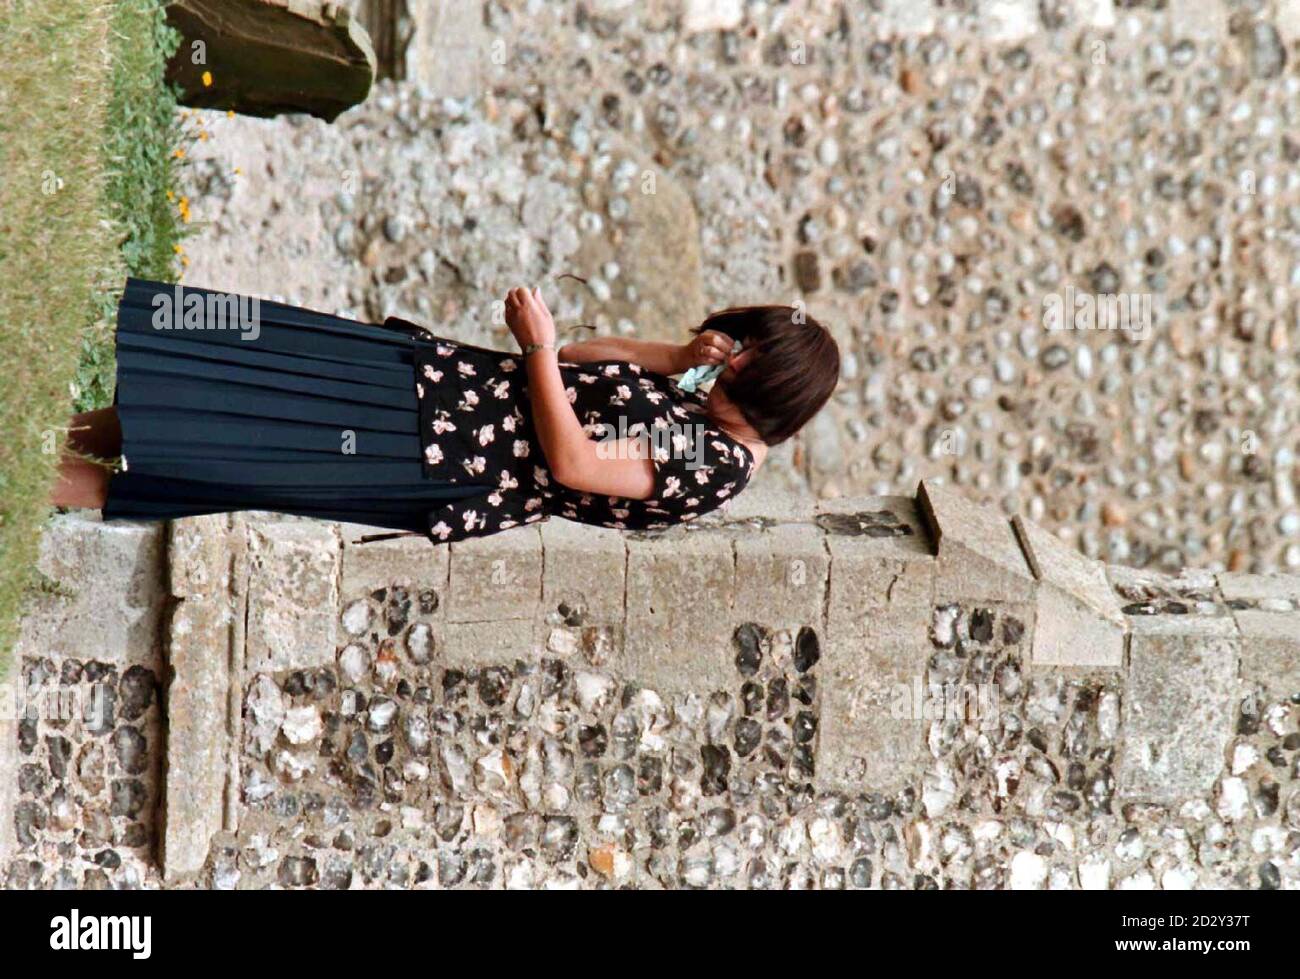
807	637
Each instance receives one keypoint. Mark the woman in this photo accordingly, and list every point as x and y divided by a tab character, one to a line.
225	403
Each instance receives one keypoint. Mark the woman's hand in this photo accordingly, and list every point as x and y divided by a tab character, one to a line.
706	349
528	318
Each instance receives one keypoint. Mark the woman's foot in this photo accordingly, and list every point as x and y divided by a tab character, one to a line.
82	485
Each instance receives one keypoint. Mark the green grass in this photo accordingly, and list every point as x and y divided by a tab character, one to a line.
141	135
87	135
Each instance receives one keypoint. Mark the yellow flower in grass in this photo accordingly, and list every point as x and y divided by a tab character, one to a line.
179	153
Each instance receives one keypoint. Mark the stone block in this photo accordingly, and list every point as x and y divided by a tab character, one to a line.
979	557
198	555
199	747
1199	21
266	57
1178	706
413	563
293	600
1272	592
870	739
767	502
711	15
8	774
449	53
108	590
496	577
1270	649
1078	617
466	645
863	582
584	568
680	596
781	577
1205	625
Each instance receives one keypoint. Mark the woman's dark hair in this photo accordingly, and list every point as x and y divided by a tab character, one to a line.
794	370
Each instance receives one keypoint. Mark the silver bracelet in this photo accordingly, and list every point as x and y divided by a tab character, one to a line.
530	347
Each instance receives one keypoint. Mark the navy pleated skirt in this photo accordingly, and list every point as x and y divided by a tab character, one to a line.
299	412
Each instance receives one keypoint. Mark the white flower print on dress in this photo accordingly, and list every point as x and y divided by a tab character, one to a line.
502	390
521	449
464	369
441	425
486	435
433	453
432	374
474	466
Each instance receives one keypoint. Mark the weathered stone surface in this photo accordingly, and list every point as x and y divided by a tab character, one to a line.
880	558
979	558
8	777
781	577
265	57
1270	649
108	592
449	55
413	563
680	596
497	577
1279	590
869	740
1178	707
470	644
1206	625
659	252
200	753
585	570
1078	618
198	555
711	15
293	600
767	502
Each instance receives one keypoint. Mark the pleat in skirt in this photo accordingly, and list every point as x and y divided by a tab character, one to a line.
312	415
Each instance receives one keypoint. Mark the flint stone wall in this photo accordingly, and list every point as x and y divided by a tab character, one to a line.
873	692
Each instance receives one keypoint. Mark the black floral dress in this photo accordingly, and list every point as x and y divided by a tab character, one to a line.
476	427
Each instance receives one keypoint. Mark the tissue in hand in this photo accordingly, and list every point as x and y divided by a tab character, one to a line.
693	378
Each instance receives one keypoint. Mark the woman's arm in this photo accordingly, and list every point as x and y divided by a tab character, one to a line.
653	355
570	455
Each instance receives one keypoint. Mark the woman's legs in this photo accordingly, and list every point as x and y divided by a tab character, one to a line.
83	483
96	433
